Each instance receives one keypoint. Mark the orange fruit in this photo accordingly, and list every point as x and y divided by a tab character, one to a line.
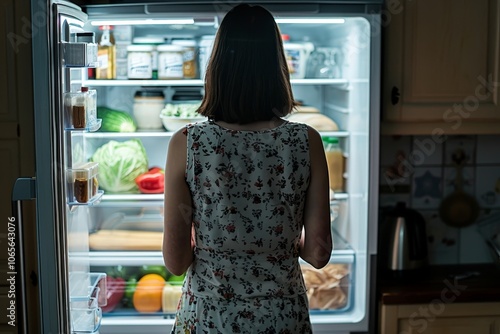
148	293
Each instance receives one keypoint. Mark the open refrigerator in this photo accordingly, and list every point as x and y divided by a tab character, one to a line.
333	48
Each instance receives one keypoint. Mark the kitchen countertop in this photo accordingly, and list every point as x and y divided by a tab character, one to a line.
457	283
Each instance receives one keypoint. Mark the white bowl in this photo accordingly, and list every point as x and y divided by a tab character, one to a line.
174	123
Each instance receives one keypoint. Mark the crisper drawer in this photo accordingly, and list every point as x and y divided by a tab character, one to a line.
126	245
150	290
329	289
140	290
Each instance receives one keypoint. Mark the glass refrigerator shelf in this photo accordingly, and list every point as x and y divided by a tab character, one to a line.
199	82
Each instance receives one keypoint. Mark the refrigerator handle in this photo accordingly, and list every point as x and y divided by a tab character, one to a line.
24	189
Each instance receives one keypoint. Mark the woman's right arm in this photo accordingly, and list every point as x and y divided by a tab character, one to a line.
316	241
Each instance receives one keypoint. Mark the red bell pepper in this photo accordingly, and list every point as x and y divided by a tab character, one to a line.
151	182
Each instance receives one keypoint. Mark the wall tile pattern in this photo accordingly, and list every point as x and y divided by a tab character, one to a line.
420	172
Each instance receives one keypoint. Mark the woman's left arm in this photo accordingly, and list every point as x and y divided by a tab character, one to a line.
178	208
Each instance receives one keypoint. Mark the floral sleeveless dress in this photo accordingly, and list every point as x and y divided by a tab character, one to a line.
248	191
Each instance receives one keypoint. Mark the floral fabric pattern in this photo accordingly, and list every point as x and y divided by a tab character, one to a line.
248	190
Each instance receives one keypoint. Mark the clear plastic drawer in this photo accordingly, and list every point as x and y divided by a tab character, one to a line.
87	295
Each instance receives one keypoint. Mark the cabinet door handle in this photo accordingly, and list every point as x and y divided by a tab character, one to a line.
395	95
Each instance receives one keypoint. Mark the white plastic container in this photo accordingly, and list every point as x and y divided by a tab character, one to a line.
147	107
140	61
170	61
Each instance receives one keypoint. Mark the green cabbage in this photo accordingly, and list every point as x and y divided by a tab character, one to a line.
119	164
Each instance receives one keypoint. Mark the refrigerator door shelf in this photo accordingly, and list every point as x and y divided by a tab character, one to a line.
93	201
88	286
90	128
79	54
87	294
85	316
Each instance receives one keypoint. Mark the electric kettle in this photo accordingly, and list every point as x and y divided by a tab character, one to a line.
404	238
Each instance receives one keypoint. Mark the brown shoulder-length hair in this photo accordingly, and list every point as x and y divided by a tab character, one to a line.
247	76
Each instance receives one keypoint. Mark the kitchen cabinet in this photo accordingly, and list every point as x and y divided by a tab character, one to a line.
440	299
441	67
440	316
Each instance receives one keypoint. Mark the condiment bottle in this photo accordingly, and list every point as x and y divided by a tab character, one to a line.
335	161
79	110
106	55
85	184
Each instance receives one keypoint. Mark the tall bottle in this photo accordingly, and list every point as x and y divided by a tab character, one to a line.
106	54
335	160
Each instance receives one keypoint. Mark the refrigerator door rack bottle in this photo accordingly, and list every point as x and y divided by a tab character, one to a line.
81	110
84	184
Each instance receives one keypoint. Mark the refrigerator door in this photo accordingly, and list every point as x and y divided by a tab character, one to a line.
17	311
68	292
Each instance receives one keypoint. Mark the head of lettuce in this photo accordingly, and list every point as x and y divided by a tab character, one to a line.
119	164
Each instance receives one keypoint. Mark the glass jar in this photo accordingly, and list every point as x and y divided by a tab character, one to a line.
140	61
106	53
335	161
148	105
189	68
154	42
170	61
85	184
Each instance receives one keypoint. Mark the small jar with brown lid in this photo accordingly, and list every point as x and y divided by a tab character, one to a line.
85	184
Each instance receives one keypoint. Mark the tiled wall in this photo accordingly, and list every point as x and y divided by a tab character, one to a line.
420	170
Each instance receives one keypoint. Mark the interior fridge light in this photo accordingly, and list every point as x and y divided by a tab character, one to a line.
309	20
141	22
